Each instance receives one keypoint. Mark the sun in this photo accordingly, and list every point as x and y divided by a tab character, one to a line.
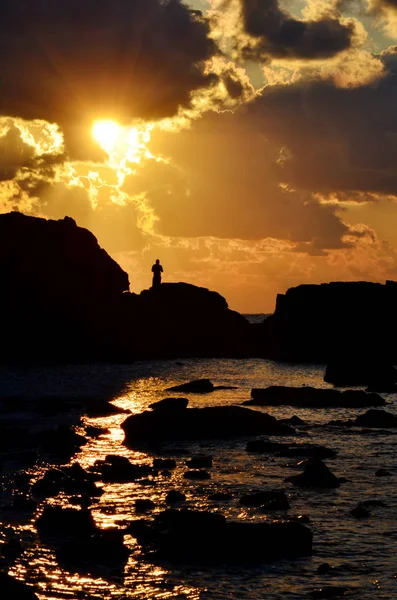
106	133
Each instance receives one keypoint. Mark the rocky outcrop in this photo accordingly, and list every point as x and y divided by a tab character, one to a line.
317	323
379	376
315	474
377	419
67	300
309	397
184	536
200	423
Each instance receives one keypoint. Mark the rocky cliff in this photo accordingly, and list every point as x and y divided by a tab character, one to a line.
64	298
318	323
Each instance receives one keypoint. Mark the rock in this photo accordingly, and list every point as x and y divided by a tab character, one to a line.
99	408
63	442
378	375
164	463
118	469
316	474
174	496
11	589
95	432
200	423
360	512
66	522
11	548
71	480
376	418
197	474
295	421
144	504
195	537
273	500
170	404
289	450
197	386
310	397
382	473
95	554
201	461
324	569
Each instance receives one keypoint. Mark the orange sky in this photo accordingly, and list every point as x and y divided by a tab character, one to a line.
251	146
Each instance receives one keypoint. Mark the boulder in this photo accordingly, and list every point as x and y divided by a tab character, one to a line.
174	496
309	397
164	463
315	474
118	469
200	423
170	404
186	537
144	504
65	522
16	590
201	461
376	418
197	386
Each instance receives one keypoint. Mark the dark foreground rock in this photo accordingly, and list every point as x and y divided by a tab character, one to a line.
376	418
200	423
11	589
310	397
186	536
315	474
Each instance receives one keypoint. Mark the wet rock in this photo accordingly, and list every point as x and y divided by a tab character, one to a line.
198	475
71	480
57	521
118	469
197	386
166	473
164	463
200	423
62	442
144	505
360	512
272	500
310	397
382	473
174	496
102	408
376	418
95	432
361	371
201	461
16	590
316	474
330	591
184	537
170	404
324	569
11	548
220	496
95	553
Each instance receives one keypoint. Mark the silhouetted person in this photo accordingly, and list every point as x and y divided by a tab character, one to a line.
157	269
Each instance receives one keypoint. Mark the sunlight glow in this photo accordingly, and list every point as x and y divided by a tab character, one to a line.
106	133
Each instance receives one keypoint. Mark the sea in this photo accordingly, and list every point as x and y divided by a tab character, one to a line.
361	553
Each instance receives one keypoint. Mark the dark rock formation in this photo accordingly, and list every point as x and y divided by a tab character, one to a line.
380	376
170	404
118	469
164	463
315	474
65	522
11	588
318	323
200	423
197	386
309	397
184	537
174	496
201	461
376	418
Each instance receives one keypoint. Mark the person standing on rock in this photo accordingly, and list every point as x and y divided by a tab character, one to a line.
157	269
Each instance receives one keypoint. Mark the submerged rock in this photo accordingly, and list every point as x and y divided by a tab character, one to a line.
376	418
310	397
185	536
200	423
273	500
197	386
315	474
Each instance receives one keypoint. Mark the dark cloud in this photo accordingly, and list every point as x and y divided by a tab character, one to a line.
226	186
73	60
335	139
277	34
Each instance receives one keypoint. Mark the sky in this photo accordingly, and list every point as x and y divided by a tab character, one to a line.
250	145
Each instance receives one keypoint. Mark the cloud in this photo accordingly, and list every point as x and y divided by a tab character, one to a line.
81	59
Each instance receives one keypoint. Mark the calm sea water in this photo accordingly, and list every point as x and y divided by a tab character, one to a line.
362	552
